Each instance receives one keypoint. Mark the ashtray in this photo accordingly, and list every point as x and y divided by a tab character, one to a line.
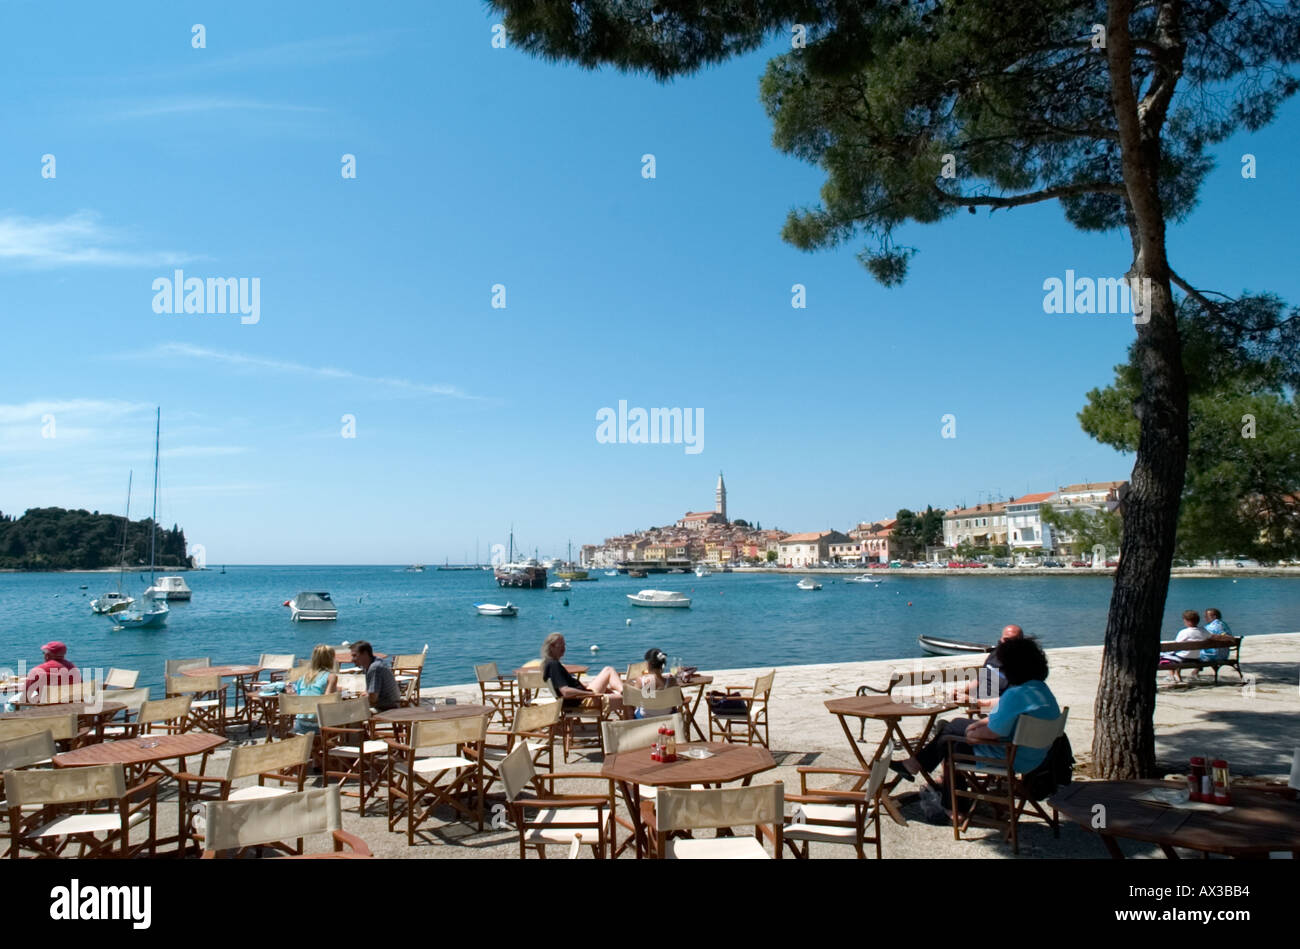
699	754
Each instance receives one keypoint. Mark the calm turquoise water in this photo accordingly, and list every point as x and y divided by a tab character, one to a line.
735	620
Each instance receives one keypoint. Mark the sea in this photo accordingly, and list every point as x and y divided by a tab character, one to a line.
735	620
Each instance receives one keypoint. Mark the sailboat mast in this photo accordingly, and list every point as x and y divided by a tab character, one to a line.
153	518
126	526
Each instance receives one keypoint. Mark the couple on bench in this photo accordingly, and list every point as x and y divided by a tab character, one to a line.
1192	631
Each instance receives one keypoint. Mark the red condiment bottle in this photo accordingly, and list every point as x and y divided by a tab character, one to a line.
670	749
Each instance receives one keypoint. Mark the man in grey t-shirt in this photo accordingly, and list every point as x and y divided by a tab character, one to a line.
380	683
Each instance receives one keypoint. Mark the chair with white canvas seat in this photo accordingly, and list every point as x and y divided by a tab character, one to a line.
124	727
275	666
208	700
121	679
165	716
174	667
284	762
547	818
994	779
497	690
30	751
629	735
349	749
415	777
743	713
533	725
61	727
688	809
846	818
408	671
87	806
236	826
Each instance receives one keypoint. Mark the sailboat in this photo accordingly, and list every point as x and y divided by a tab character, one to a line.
156	615
117	601
570	569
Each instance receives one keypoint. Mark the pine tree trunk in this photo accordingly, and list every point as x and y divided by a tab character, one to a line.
1123	745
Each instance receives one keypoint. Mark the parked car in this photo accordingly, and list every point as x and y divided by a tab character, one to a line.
1053	563
1002	563
1080	563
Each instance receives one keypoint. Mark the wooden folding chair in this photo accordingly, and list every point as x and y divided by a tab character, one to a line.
291	706
134	700
173	667
121	679
275	666
89	806
532	687
236	826
284	762
745	723
629	735
498	691
549	818
413	778
663	702
16	754
62	728
408	670
849	818
534	726
994	779
165	716
349	749
636	670
208	705
688	809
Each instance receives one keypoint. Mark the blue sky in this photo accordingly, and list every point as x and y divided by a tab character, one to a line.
478	166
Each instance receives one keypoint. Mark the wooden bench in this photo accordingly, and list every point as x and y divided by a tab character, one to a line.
1231	643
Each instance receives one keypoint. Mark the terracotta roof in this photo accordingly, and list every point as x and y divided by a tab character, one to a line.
696	515
806	537
1091	486
1032	498
979	510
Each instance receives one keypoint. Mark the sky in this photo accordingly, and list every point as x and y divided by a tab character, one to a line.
380	409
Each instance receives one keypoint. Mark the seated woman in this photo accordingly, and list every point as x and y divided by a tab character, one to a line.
1025	666
565	685
316	678
654	679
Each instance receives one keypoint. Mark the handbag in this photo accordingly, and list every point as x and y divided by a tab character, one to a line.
727	702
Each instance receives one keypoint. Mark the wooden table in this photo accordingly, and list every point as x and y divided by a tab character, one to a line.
401	718
1259	822
573	670
141	755
89	714
890	710
730	762
242	674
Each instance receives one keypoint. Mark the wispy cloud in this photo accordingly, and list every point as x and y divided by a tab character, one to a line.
297	55
77	239
189	105
85	410
254	363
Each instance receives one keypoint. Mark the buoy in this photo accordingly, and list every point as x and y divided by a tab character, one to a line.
595	648
629	622
566	601
909	602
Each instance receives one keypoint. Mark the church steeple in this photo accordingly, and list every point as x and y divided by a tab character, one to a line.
720	499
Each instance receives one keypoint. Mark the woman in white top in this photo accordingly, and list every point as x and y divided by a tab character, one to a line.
654	680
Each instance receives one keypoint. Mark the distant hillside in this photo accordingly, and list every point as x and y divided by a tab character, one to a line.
51	538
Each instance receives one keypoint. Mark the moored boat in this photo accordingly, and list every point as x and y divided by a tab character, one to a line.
497	609
152	618
865	578
561	586
938	646
661	598
309	607
169	588
702	571
807	583
111	602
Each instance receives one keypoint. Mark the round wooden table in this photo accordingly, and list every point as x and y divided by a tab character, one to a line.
242	674
891	710
729	762
1259	822
222	671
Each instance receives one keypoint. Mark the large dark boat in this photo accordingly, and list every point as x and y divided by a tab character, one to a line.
527	573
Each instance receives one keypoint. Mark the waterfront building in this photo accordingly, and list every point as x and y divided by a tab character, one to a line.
808	549
984	525
1099	496
1025	525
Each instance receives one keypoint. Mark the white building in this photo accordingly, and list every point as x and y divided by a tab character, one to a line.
1025	527
809	549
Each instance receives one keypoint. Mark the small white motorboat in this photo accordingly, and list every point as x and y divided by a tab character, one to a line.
169	588
865	578
611	573
560	586
307	607
808	583
702	571
111	602
152	618
662	598
497	609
